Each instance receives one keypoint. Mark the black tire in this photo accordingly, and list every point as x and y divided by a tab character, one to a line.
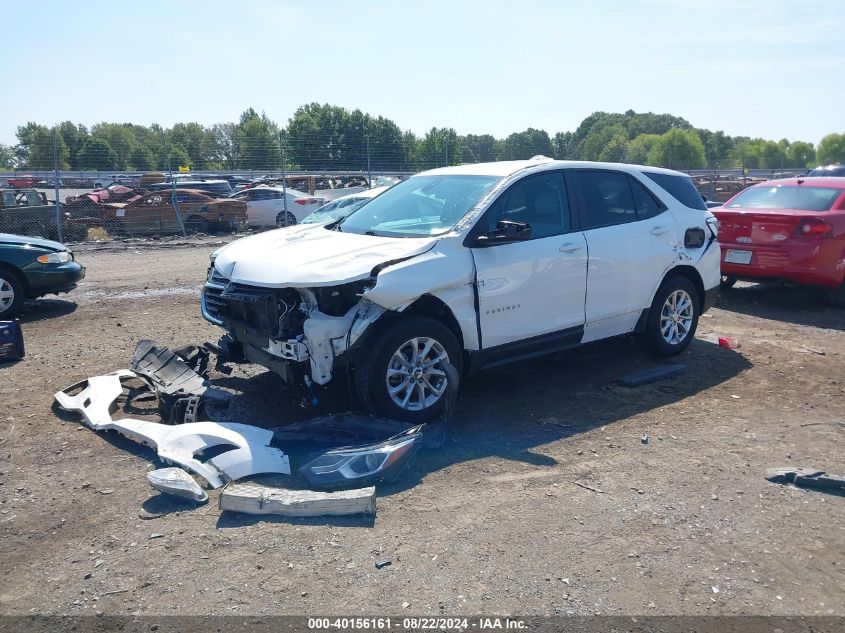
10	283
197	224
727	281
653	337
370	374
285	218
836	296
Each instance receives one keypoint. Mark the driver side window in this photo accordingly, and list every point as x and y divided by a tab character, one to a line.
539	200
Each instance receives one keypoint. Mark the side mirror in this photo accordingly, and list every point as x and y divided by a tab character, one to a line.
507	231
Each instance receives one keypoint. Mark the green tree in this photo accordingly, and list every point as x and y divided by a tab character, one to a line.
801	154
477	148
179	157
678	149
831	150
120	137
564	146
7	157
523	145
436	145
142	159
257	142
717	146
599	138
615	150
74	137
192	138
35	148
638	149
411	157
97	154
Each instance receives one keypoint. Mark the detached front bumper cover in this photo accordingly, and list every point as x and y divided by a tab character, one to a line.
363	465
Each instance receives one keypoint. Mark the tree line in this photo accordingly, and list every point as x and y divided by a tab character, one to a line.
327	137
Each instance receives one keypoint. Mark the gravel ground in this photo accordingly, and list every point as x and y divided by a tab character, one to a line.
544	501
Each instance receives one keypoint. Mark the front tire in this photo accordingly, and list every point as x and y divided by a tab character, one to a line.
11	295
401	375
673	317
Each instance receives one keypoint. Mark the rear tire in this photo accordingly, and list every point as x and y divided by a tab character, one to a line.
285	218
197	224
673	317
836	296
381	368
727	281
11	294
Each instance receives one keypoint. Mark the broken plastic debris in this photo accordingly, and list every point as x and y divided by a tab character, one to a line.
180	389
176	482
805	477
253	499
95	400
179	445
729	343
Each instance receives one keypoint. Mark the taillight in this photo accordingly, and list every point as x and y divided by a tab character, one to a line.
304	201
814	228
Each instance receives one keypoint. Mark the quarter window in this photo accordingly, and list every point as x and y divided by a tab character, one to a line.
607	198
646	205
538	200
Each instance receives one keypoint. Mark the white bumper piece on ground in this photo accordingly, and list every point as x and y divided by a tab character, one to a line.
94	402
250	454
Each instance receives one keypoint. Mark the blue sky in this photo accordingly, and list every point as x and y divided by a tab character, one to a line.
773	69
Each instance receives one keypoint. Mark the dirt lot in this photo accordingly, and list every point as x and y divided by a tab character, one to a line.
493	523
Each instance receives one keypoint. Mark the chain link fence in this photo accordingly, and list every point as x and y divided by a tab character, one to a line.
212	182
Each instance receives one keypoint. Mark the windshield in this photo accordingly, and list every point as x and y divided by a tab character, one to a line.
786	197
334	210
420	206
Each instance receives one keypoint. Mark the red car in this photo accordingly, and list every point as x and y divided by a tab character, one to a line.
789	230
22	182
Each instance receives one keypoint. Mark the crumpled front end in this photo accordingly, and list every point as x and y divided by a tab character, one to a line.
299	333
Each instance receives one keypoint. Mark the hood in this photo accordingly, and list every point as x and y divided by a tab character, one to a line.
310	255
24	240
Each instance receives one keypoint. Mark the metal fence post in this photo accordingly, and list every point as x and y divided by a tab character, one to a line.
369	174
56	183
284	177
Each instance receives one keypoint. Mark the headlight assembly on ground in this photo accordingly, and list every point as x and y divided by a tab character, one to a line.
362	464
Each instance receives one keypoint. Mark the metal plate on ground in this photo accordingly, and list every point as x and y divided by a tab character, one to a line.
653	374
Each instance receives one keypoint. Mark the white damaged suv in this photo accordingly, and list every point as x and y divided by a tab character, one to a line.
473	266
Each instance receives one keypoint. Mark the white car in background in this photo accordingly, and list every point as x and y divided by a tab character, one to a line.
465	268
341	207
265	206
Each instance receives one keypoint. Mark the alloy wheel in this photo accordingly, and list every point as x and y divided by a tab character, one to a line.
676	317
415	378
7	295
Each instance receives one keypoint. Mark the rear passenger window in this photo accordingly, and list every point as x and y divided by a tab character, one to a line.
680	188
607	198
539	200
646	205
